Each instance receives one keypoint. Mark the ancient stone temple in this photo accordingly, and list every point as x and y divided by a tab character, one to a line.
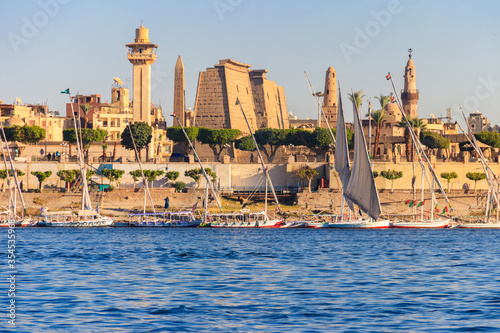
219	87
269	100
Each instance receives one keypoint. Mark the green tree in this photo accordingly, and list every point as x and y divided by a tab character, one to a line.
217	139
175	134
142	134
152	175
179	186
113	175
434	140
41	176
489	138
270	140
136	174
3	176
211	174
375	174
104	146
358	97
86	109
245	143
475	176
449	176
308	174
25	134
68	176
172	175
194	174
391	175
89	136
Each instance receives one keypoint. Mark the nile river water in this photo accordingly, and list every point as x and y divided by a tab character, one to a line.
255	280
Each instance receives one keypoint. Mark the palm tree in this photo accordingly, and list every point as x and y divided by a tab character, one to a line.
358	97
379	117
417	125
86	109
408	141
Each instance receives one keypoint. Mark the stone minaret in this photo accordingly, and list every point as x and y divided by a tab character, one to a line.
330	98
179	93
142	54
410	94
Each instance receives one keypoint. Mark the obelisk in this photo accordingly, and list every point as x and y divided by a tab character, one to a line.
179	93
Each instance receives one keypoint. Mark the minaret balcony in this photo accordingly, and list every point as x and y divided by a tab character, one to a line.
412	94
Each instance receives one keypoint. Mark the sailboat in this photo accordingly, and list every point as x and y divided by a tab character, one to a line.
493	188
245	218
85	216
159	219
424	161
9	217
358	187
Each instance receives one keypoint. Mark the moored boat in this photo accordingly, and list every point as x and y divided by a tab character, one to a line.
185	219
435	224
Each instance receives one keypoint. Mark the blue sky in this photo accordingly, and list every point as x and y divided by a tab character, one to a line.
81	45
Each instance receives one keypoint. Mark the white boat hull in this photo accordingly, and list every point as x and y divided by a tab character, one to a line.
364	224
422	224
479	225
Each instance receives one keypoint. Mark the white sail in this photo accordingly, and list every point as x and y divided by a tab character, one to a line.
361	188
342	150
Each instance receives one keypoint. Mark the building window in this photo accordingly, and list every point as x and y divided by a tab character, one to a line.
327	91
104	123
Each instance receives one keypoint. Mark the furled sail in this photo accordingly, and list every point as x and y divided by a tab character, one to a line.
342	150
361	188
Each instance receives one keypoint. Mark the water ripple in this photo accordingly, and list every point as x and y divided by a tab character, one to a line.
154	280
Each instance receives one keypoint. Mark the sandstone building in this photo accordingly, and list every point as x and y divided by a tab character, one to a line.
219	87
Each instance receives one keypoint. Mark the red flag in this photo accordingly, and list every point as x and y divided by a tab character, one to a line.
388	76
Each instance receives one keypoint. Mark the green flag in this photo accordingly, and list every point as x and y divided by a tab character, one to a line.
65	91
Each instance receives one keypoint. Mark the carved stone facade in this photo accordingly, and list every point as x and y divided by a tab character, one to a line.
218	89
269	100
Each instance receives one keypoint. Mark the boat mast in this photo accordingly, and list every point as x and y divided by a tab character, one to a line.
264	168
86	203
146	187
199	161
14	173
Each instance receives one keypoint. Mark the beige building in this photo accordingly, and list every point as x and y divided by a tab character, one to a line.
220	87
34	114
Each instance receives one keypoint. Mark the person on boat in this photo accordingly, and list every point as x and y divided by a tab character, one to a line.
167	203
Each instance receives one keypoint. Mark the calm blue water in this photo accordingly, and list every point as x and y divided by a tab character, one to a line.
164	280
